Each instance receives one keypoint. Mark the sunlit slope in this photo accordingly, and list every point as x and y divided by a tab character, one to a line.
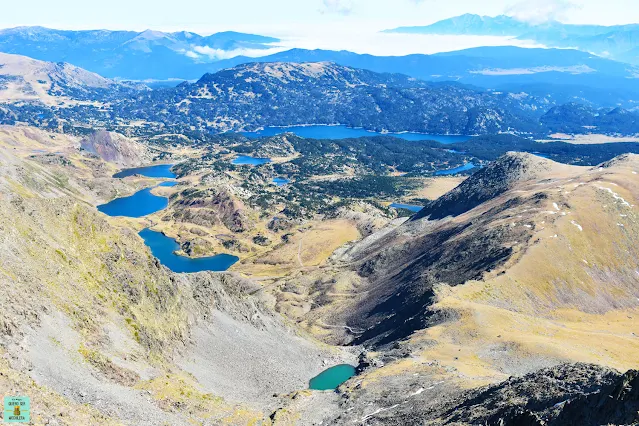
26	79
526	264
571	295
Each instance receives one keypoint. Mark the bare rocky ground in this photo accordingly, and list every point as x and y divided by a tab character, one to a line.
568	394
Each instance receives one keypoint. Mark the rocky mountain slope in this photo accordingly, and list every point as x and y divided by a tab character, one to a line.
528	264
271	94
101	333
502	218
568	394
117	149
26	79
252	96
533	275
559	75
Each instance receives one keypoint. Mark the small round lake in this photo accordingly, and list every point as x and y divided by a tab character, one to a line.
280	181
465	167
344	132
140	204
164	249
159	171
331	378
244	160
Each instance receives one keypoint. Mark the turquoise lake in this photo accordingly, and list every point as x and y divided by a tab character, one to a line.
159	171
140	204
465	167
164	249
343	132
245	160
331	378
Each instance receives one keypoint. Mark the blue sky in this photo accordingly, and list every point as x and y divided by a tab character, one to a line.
293	17
313	24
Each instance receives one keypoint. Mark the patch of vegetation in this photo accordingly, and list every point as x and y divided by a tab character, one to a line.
111	371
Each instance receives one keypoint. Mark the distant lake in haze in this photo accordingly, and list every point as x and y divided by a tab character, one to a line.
465	167
411	207
343	132
159	171
164	247
245	160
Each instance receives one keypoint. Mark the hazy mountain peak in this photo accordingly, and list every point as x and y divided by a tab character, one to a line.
152	35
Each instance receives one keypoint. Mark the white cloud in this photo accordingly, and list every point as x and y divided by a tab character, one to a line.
190	54
207	53
540	11
388	44
340	7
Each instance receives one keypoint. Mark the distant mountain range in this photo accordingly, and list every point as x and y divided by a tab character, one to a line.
128	54
155	55
619	42
560	74
251	96
255	95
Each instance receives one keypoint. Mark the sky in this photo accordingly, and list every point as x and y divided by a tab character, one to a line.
327	24
294	17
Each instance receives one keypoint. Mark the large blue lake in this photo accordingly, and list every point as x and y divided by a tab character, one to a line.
140	204
343	132
159	171
164	249
245	160
143	203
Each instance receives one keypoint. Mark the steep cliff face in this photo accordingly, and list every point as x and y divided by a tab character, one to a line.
118	149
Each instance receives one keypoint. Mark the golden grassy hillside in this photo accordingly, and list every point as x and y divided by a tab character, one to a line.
570	294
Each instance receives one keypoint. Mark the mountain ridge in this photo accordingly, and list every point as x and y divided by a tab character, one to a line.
25	79
617	42
128	54
559	73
